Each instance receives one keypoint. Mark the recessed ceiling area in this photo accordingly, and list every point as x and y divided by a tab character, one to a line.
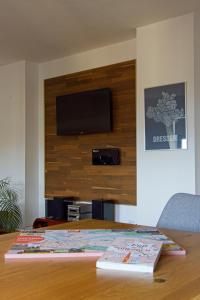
42	30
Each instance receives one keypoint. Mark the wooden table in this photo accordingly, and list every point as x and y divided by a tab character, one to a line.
175	277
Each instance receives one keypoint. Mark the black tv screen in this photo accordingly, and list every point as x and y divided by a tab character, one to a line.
85	112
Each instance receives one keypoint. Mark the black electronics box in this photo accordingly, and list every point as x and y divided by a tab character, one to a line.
57	208
103	210
107	156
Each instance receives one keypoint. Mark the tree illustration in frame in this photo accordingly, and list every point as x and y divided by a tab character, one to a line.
165	117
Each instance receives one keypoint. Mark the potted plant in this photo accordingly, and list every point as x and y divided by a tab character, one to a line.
10	212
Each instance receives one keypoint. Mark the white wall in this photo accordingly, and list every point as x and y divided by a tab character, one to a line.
95	58
164	55
31	143
87	60
197	97
12	124
19	133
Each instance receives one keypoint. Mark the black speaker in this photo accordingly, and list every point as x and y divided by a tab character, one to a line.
107	156
57	208
103	210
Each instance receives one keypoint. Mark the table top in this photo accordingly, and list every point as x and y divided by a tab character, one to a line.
176	277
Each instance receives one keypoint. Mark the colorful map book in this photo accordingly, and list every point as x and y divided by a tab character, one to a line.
63	243
131	254
79	243
169	246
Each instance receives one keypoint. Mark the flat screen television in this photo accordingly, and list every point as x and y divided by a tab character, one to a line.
84	112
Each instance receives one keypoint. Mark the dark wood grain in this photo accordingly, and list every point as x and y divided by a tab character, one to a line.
68	168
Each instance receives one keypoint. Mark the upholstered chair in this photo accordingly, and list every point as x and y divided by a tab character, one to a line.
182	212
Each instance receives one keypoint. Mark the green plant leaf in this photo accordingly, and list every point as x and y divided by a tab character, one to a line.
10	212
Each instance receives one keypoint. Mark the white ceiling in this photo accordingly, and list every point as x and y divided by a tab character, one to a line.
41	30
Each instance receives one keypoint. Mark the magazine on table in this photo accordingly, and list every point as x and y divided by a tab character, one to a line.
80	243
131	254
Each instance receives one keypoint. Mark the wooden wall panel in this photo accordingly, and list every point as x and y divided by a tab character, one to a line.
68	168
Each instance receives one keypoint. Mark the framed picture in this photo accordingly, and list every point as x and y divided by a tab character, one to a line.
165	117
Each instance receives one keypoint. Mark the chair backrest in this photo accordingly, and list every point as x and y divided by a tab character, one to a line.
182	212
